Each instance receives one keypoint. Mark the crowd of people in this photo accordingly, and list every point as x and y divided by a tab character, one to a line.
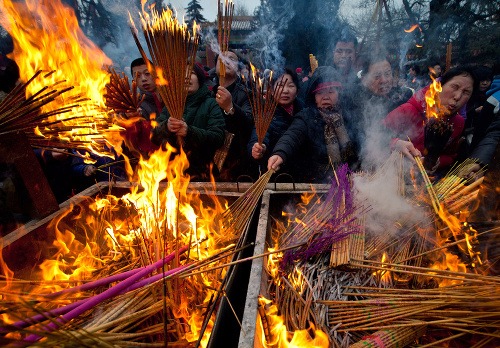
342	112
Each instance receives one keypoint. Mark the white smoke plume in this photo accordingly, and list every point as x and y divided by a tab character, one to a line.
266	39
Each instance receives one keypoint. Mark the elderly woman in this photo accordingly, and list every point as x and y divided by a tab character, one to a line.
201	127
408	120
376	96
288	106
317	140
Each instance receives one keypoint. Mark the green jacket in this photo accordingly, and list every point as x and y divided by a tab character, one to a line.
205	131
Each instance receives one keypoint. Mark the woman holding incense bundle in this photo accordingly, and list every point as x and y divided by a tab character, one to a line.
437	139
201	127
288	106
317	140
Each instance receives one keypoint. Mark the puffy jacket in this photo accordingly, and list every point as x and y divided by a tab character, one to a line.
408	121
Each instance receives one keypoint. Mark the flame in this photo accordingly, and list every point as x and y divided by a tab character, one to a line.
432	101
56	45
384	276
412	28
278	335
136	226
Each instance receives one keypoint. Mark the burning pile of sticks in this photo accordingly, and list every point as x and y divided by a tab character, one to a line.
397	294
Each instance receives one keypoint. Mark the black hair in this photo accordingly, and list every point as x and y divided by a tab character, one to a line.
138	62
483	73
346	35
9	74
370	59
465	70
292	73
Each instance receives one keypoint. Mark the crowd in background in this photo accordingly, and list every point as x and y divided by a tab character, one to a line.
352	110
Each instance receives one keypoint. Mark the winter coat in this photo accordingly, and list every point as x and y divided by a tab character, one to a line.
408	121
205	131
279	124
240	124
303	148
487	130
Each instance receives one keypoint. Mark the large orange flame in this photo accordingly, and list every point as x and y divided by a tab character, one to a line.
47	37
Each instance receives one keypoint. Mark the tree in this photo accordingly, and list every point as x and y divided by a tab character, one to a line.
95	21
241	10
193	13
472	26
294	29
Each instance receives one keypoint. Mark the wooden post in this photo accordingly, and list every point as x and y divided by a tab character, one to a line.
16	150
449	49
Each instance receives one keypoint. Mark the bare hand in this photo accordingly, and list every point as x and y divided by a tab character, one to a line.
407	149
258	150
178	127
472	172
224	99
274	162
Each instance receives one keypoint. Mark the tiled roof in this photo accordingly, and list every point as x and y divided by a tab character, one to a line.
239	23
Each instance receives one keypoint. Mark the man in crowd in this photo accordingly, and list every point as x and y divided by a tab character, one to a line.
231	96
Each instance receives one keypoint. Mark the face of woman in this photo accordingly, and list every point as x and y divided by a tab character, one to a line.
326	98
379	78
193	84
289	90
456	92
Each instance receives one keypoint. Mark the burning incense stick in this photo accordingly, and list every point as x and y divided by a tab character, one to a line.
264	99
224	22
173	50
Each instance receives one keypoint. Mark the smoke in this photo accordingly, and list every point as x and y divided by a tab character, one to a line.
389	208
125	50
266	39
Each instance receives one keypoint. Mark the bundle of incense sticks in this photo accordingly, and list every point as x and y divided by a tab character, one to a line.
264	99
119	96
224	21
21	113
173	51
397	337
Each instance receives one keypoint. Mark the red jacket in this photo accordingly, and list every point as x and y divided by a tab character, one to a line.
408	121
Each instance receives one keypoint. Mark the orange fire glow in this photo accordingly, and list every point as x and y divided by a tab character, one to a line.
132	230
47	37
412	28
277	334
432	101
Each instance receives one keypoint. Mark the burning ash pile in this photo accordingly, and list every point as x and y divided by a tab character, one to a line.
380	261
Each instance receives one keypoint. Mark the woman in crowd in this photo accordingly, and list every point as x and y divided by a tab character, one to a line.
288	106
316	141
375	97
201	128
409	120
